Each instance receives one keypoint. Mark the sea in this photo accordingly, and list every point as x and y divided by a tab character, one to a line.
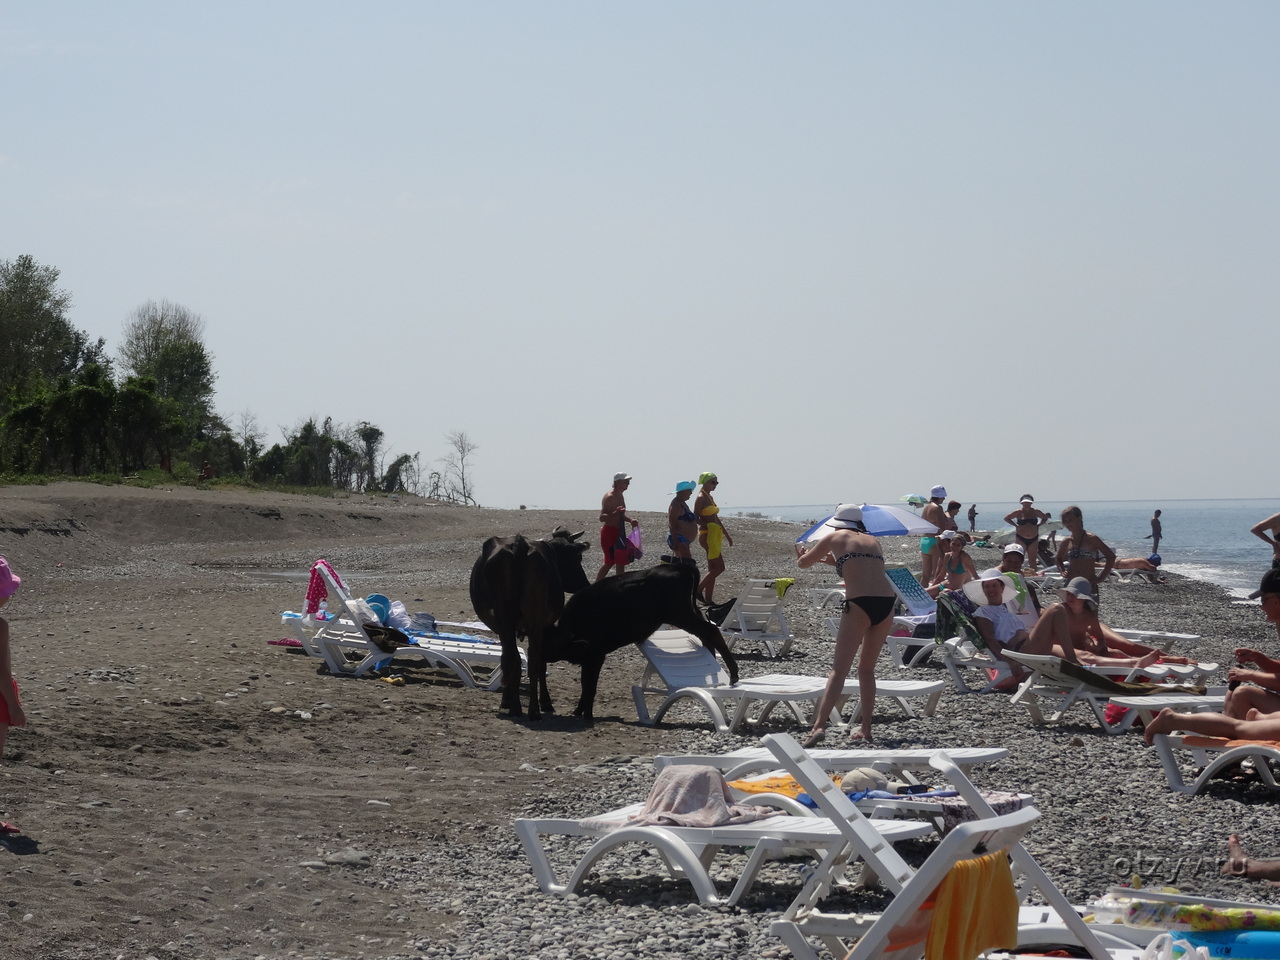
1203	539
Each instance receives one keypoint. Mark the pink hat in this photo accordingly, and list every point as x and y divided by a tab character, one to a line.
9	582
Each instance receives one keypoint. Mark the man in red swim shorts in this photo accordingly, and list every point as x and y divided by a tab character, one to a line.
613	533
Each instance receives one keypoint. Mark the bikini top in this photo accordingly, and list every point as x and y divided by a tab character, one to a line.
1079	553
1021	521
951	569
710	511
687	516
854	555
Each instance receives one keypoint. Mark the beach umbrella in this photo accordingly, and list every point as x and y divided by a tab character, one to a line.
880	521
914	500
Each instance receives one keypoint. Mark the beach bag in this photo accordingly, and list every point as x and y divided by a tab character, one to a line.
398	617
633	544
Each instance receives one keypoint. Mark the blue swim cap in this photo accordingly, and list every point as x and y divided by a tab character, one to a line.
1154	559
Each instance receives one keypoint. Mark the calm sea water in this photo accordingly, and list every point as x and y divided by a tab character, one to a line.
1203	539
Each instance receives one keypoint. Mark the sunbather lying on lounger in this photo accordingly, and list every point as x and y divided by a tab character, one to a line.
1256	726
1257	689
1071	630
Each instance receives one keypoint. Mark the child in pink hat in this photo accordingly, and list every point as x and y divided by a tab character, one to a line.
11	714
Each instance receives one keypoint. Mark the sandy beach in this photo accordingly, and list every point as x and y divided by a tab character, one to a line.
186	789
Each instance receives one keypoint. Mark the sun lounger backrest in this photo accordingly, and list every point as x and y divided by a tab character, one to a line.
910	592
681	661
868	844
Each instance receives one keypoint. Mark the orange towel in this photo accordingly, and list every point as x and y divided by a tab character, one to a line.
976	909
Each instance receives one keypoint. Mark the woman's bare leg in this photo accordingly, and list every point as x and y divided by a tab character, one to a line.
873	643
853	626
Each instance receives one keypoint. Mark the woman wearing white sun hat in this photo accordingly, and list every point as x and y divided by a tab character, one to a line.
867	617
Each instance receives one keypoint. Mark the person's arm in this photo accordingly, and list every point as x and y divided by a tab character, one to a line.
1110	556
1249	655
1061	556
1011	518
809	554
1267	679
1268	526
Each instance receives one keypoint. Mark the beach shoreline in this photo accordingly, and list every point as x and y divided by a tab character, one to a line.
187	789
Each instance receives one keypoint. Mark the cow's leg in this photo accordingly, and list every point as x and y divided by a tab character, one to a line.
511	671
539	696
711	638
590	683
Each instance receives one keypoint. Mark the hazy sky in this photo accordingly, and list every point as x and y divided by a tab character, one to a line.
830	251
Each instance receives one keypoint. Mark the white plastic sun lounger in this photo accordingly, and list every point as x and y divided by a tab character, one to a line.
1211	755
688	852
757	617
336	640
1049	681
803	918
688	671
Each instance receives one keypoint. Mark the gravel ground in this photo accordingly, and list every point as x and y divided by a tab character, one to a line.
175	811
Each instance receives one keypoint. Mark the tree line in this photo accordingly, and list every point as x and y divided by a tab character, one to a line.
67	407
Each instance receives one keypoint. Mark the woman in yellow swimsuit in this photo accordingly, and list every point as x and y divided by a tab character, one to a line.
711	535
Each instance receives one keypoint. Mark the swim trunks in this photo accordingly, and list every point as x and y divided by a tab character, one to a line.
927	544
616	550
4	705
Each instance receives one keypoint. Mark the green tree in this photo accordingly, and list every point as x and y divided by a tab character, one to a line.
37	342
165	341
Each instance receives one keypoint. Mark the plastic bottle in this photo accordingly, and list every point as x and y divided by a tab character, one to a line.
324	609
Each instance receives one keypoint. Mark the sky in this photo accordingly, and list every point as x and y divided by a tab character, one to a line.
829	251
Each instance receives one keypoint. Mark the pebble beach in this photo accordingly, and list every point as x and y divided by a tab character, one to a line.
187	789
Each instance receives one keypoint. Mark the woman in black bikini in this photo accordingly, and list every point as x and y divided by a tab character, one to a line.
1026	522
867	617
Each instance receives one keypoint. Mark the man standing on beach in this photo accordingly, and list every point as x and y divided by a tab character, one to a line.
1271	526
973	517
1155	534
613	533
930	551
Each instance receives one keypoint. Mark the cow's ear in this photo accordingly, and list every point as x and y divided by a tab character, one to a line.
576	536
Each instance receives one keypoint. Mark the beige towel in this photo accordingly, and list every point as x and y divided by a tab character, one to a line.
690	796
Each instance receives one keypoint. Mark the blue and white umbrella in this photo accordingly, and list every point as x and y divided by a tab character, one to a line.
880	521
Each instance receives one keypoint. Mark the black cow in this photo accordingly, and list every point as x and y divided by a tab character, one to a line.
628	608
517	588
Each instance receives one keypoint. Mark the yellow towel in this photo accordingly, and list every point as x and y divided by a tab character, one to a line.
785	785
975	909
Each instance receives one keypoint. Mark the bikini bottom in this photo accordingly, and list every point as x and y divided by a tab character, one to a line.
877	609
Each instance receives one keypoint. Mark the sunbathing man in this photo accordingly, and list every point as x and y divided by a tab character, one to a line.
1148	565
1072	631
1026	604
1257	689
1000	628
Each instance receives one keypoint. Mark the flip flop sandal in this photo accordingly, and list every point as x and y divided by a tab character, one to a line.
7	827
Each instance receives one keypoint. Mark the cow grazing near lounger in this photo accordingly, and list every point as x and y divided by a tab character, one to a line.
517	588
628	608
